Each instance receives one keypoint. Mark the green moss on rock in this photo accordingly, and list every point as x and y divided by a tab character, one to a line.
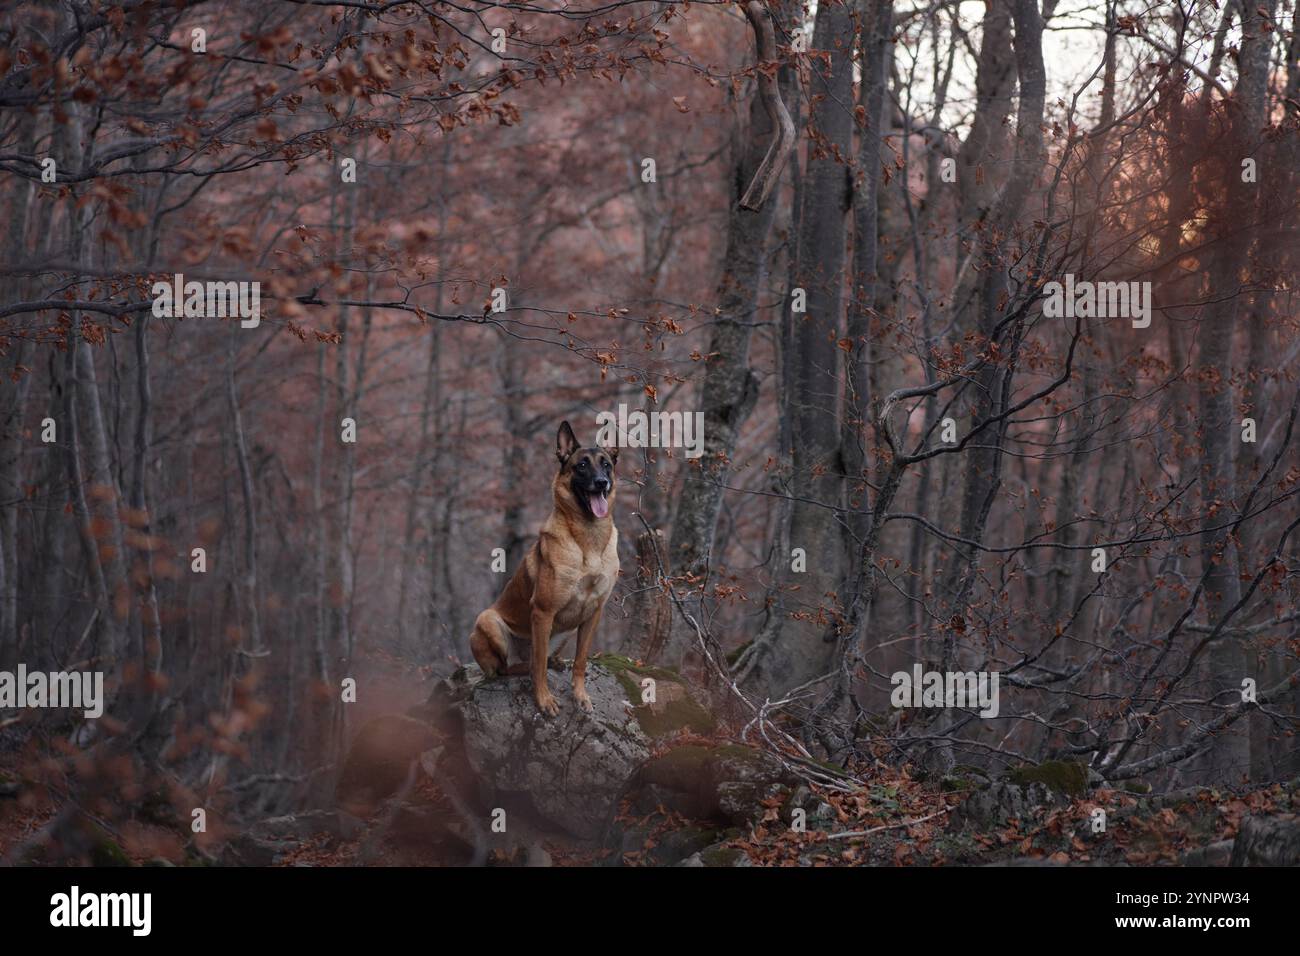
956	783
621	667
693	767
721	855
1063	776
682	713
681	764
106	852
677	715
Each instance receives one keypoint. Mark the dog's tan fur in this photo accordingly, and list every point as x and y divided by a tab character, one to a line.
562	585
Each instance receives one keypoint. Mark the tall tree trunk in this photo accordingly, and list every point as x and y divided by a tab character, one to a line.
12	413
992	382
805	649
730	387
1230	660
857	589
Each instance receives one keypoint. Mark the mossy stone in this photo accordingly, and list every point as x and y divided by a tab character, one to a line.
722	856
106	852
682	713
1062	776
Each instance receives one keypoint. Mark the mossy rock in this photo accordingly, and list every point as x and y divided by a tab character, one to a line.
817	812
744	804
719	782
689	764
676	845
674	709
725	856
963	777
958	847
196	859
671	847
105	851
1184	797
1061	776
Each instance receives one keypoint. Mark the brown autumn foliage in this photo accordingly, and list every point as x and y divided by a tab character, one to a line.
886	394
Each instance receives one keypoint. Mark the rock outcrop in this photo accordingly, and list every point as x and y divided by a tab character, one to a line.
484	742
1268	841
1023	794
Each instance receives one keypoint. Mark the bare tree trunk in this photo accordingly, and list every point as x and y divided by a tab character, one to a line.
992	382
855	433
1231	661
805	649
94	492
12	422
730	387
424	463
248	580
514	457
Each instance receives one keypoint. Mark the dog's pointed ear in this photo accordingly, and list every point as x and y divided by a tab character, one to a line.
612	451
565	442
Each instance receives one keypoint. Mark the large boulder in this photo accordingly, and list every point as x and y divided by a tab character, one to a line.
1268	841
565	773
1023	794
1218	853
726	783
484	743
567	770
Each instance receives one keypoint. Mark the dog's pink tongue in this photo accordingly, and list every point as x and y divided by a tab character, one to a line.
599	506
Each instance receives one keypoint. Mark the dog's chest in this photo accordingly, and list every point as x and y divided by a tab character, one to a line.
593	586
590	584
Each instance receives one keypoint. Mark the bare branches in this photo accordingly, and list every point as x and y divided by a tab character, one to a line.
778	153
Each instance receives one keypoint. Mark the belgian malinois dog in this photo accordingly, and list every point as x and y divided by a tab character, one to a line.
564	580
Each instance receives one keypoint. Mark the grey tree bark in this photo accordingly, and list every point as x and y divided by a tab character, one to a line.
730	387
805	649
1230	660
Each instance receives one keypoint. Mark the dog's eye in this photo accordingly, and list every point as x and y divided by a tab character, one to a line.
582	465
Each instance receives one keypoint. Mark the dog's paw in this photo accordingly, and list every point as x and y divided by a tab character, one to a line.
547	703
580	695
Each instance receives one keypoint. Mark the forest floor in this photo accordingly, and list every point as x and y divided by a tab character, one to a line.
893	820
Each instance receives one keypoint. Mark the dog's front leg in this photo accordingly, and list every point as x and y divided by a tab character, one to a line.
586	631
541	626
